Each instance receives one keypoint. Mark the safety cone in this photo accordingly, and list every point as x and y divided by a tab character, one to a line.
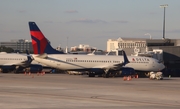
29	73
132	76
124	78
137	76
128	78
25	73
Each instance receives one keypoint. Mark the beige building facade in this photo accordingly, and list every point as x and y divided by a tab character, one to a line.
125	43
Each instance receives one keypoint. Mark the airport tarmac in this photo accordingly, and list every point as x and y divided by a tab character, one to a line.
63	91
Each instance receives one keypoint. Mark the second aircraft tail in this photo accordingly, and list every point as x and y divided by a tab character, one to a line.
126	61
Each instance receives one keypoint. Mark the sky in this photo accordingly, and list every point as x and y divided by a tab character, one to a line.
91	22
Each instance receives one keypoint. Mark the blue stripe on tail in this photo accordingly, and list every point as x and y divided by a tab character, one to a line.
126	61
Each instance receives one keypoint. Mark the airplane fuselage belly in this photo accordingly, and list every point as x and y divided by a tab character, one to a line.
139	66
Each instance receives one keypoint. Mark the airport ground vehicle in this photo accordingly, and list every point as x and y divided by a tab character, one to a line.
156	75
77	72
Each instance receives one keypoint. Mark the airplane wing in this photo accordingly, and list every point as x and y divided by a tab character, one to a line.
110	67
10	64
15	64
23	63
105	67
115	66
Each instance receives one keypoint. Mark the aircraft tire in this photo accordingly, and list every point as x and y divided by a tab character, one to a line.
91	75
106	75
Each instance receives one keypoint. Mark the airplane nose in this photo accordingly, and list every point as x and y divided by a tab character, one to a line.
162	66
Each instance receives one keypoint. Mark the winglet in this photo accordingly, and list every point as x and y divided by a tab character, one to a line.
126	61
39	42
28	57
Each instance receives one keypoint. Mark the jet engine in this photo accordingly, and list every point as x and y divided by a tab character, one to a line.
34	68
6	69
127	71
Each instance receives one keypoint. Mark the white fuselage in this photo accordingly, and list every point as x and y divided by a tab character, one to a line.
80	62
8	59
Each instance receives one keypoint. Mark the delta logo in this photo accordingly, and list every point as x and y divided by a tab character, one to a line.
140	59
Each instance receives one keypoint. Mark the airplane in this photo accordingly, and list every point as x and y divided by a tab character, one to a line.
44	53
17	62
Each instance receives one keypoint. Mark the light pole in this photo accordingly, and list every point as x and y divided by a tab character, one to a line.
149	35
67	46
164	6
67	41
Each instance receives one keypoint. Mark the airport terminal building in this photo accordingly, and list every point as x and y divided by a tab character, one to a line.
20	45
126	43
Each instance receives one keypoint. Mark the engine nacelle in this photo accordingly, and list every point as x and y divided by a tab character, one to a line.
97	71
127	71
34	68
6	69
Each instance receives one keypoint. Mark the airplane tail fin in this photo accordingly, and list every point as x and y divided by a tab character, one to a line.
126	61
39	42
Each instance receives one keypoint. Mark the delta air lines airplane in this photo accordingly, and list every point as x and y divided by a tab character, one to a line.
45	54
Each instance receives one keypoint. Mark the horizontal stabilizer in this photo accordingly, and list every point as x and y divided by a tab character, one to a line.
43	56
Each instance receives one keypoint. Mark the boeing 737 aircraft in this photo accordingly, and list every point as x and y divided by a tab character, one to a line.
15	62
92	63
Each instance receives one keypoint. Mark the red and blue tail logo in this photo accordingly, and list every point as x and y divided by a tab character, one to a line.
39	42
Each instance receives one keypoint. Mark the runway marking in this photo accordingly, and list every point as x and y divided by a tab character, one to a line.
38	87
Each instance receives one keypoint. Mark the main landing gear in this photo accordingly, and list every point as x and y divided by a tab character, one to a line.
91	74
